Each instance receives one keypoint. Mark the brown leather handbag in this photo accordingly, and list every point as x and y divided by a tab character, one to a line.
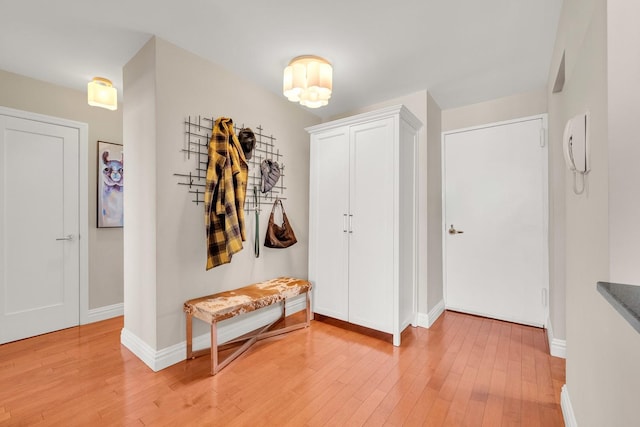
277	236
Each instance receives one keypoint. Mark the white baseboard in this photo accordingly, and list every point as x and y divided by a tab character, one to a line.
567	409
557	347
104	313
227	330
426	320
141	349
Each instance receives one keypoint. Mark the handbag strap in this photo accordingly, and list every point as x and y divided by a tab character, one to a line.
273	209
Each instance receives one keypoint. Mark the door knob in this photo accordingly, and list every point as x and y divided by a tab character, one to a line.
454	231
68	237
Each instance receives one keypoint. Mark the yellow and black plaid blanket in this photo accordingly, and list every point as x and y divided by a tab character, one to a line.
227	174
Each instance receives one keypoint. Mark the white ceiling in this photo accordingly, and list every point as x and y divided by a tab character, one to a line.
462	51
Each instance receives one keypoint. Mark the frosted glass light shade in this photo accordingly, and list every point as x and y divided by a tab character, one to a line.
308	80
101	93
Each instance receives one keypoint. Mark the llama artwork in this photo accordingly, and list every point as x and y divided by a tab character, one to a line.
111	186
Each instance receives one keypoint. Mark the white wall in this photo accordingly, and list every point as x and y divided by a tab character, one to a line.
435	291
140	204
586	216
620	380
624	141
422	105
603	373
105	244
187	85
497	110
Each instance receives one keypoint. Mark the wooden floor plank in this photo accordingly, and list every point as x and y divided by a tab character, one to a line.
418	414
461	399
464	370
367	407
409	399
512	409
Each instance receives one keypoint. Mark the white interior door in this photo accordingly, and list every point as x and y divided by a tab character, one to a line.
496	198
39	227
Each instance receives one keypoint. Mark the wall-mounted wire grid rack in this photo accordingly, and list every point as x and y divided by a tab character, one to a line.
196	146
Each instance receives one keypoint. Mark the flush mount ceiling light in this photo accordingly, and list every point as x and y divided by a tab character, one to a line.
101	93
308	80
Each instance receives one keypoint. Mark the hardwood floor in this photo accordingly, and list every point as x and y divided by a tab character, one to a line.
465	370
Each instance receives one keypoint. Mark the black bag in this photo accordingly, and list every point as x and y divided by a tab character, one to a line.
279	236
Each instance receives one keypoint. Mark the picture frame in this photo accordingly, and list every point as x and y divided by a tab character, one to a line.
110	190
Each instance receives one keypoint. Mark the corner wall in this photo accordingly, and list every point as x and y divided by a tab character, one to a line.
435	275
140	204
187	85
105	244
586	215
603	374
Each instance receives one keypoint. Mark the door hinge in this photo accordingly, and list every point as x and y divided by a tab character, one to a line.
542	137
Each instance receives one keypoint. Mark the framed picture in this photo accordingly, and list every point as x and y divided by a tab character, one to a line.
110	184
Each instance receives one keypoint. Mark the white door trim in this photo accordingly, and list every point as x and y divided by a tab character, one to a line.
545	193
83	214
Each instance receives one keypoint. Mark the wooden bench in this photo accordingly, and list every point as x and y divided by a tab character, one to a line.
228	304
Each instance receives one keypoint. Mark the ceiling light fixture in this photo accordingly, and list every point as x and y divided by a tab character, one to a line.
308	80
101	93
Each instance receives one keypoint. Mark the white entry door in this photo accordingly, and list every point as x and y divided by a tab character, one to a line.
39	227
495	211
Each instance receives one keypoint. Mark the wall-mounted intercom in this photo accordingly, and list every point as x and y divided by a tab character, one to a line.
575	144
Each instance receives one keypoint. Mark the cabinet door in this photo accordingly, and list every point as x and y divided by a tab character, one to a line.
372	201
328	222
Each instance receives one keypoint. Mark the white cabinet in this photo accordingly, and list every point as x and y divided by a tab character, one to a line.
363	213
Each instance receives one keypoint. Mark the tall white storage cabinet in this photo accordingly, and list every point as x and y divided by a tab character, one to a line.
363	213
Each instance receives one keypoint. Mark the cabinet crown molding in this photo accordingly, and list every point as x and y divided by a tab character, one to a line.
399	109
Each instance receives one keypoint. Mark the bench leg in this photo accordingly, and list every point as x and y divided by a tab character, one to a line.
214	348
189	336
308	309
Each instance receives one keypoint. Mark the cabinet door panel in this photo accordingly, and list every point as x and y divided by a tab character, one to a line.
329	205
371	249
